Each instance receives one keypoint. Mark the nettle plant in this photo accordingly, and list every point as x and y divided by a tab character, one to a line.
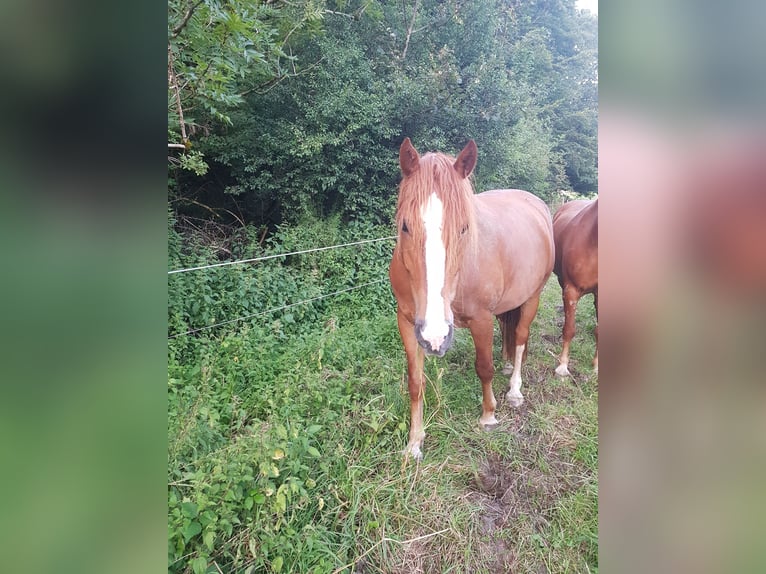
246	503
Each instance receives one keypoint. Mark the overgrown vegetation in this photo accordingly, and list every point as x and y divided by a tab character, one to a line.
288	409
286	434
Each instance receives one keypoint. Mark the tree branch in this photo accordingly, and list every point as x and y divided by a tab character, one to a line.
409	30
267	86
173	82
177	30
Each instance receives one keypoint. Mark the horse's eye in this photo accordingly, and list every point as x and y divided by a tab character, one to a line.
404	228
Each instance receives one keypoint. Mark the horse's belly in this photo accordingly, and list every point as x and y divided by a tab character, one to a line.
496	297
518	294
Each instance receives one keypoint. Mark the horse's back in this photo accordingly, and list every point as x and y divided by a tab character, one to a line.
506	208
519	199
567	212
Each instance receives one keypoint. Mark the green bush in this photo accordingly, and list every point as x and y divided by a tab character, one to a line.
200	299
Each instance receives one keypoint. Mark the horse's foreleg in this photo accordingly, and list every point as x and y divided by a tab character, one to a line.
416	385
570	295
528	310
482	332
595	331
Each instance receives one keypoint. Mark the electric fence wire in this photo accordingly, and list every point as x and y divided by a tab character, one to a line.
264	258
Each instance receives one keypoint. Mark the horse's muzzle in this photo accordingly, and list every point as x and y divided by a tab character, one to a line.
435	346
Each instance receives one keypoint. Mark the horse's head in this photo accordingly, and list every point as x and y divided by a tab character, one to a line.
435	221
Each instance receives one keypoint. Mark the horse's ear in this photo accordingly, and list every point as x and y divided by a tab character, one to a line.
408	157
466	160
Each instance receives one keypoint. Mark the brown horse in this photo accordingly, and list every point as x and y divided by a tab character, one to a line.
575	231
461	260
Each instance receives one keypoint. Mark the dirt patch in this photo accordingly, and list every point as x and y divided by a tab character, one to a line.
516	493
511	492
553	339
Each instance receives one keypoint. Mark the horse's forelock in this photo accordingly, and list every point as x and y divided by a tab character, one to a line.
436	173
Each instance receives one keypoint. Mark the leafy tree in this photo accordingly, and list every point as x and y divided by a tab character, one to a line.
213	45
564	81
321	138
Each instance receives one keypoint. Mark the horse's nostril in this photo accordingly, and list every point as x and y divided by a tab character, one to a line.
434	344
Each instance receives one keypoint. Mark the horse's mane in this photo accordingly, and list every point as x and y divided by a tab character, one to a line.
435	173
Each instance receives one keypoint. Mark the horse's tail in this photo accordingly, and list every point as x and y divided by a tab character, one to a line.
508	322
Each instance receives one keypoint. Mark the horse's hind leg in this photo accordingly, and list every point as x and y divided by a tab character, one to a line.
571	296
482	332
508	321
527	313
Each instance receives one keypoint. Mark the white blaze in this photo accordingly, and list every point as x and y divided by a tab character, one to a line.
435	328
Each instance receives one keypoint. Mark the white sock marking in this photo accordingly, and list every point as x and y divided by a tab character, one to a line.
514	396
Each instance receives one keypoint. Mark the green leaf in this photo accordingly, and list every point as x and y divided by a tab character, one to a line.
191	530
313	429
281	502
313	451
276	565
259	498
199	565
189	509
207	517
209	539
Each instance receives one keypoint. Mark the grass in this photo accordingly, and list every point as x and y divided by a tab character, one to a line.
295	453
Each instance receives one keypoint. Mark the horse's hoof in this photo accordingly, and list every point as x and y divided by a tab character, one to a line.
514	400
562	371
413	451
490	424
508	369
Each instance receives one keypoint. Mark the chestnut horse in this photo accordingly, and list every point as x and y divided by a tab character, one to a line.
461	260
575	231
